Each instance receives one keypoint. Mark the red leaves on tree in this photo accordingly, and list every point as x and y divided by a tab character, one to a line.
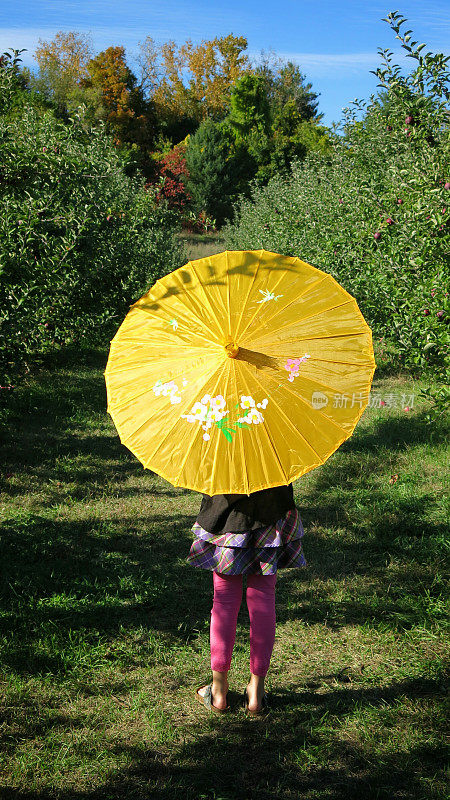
173	169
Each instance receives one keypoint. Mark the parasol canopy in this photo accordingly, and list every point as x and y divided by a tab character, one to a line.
239	372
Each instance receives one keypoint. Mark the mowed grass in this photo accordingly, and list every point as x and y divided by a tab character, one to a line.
104	627
201	245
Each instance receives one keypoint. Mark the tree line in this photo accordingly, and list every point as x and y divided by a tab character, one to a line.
201	120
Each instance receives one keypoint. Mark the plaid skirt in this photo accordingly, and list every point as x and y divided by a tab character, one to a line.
261	552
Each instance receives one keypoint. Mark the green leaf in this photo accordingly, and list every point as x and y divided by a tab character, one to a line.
226	430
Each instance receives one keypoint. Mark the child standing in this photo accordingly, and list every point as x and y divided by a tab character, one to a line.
253	535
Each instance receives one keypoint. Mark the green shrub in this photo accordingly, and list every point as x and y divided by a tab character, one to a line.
375	212
273	123
80	240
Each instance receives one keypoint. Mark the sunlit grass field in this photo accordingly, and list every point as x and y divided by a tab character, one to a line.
104	627
200	245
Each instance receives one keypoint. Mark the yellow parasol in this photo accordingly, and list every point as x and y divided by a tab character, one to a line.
239	372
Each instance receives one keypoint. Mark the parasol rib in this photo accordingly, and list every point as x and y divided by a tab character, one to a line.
263	428
176	343
196	432
239	433
317	410
320	280
237	334
228	296
311	316
347	363
216	451
291	426
202	286
150	360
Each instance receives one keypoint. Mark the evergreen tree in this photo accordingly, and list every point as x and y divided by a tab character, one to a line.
216	172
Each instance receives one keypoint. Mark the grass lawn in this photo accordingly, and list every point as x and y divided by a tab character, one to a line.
200	245
104	628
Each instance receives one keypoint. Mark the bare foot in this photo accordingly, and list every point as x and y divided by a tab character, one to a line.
218	700
255	697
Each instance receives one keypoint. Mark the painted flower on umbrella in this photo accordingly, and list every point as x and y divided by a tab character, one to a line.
247	401
253	415
168	389
218	403
293	364
199	411
267	296
212	410
208	410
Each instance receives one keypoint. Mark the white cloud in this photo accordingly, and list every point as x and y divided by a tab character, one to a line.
330	65
314	65
18	38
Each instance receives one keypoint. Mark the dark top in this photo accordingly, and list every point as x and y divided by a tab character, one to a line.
226	513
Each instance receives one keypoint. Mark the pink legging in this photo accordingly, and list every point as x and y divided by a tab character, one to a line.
260	598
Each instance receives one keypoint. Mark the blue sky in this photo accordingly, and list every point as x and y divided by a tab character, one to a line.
334	44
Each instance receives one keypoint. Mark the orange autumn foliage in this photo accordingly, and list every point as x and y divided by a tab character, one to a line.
68	51
193	80
121	99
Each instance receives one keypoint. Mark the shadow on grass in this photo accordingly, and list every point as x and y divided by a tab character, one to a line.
274	758
109	575
140	556
394	433
52	431
70	588
282	756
